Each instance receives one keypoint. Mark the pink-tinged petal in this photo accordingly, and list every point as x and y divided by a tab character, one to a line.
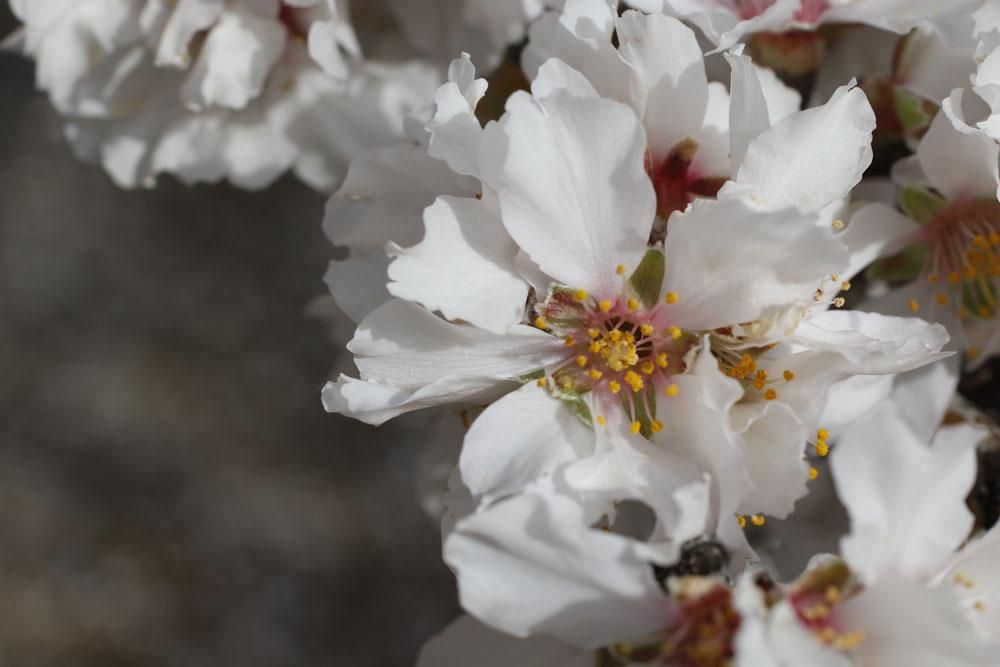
876	231
463	268
569	173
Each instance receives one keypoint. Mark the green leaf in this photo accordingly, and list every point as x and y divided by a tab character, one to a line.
920	204
647	280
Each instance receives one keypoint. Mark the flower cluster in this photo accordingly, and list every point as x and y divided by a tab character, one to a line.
634	285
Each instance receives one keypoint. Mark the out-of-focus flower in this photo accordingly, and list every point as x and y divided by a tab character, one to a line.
943	251
245	90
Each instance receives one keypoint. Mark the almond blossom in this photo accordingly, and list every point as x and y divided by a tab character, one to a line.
245	90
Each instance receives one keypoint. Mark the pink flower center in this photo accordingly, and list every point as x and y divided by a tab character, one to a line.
809	12
677	182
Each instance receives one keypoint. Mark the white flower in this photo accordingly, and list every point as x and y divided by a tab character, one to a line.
630	383
946	243
243	90
905	593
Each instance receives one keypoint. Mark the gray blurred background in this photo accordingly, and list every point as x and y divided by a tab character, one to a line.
171	491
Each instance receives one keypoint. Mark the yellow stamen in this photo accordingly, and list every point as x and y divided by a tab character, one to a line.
614	387
788	375
657	426
635	427
632	304
675	333
595	374
540	323
542	382
672	391
647	329
822	434
582	361
620	269
913	305
671	298
758	520
741	520
770	395
634	381
661	360
570	341
605	306
822	449
838	224
647	367
581	295
602	421
593	333
942	299
813	473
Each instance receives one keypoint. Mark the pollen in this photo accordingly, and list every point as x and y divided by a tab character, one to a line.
632	304
675	333
570	341
635	381
933	278
672	391
839	302
788	375
635	427
602	421
582	361
593	333
620	269
954	278
741	520
913	305
647	330
542	382
581	295
942	299
647	367
770	395
661	360
846	285
822	434
605	306
595	347
837	224
822	449
813	473
614	387
540	323
671	298
657	426
758	520
595	374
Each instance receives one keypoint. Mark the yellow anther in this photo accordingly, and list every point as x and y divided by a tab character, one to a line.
741	520
594	347
994	238
972	353
542	382
839	302
647	329
634	381
615	335
635	427
770	395
837	224
614	387
834	277
541	323
954	278
632	304
813	473
846	285
647	367
672	390
984	311
758	520
979	605
822	449
943	299
913	305
832	594
570	341
675	332
822	434
595	374
662	360
657	426
593	333
605	306
788	375
602	421
671	298
582	361
581	295
964	581
620	269
933	278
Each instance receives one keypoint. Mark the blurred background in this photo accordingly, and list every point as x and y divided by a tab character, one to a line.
171	491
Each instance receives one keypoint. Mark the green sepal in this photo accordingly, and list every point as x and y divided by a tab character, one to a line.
979	293
901	267
647	280
920	204
530	377
579	408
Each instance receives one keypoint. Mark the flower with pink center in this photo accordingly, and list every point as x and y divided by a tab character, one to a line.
944	249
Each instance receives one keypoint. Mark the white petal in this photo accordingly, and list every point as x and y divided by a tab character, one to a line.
384	196
572	186
467	641
906	500
959	161
672	90
775	461
876	231
519	439
529	565
455	131
464	267
403	345
730	264
978	585
188	19
556	75
813	157
358	283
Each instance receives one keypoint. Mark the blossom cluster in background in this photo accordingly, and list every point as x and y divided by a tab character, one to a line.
669	263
